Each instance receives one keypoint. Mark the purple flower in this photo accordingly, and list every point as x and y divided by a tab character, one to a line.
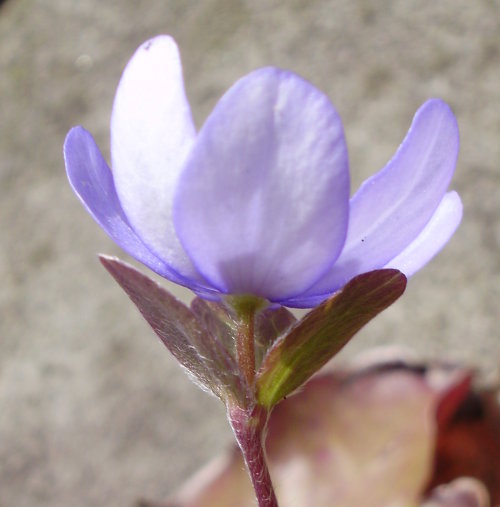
257	202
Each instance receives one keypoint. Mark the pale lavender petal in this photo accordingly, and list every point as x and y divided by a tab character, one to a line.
305	301
262	203
92	182
392	207
432	239
423	248
151	134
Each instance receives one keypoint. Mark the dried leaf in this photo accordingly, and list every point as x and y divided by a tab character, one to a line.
349	439
468	442
463	492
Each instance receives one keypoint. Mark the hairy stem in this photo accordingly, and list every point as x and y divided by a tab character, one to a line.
249	426
245	348
245	308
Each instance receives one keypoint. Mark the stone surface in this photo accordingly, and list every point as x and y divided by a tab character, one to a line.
93	411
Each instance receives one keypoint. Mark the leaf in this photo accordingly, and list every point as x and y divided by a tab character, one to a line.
468	442
217	320
221	320
200	350
269	325
462	492
352	438
315	339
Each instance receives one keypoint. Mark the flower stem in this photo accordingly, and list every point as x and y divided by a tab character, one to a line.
246	307
249	427
245	348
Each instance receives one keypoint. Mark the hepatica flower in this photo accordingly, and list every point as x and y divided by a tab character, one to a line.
257	202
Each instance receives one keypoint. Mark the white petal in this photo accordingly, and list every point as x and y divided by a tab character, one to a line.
151	134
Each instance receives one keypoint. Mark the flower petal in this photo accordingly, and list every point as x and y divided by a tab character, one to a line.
421	250
151	134
433	237
262	203
392	207
92	182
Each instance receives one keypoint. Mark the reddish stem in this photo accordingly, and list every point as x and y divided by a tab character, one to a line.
245	346
249	426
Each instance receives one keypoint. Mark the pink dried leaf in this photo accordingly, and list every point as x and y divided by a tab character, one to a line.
348	439
462	492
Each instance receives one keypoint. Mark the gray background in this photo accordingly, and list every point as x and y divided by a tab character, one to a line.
93	410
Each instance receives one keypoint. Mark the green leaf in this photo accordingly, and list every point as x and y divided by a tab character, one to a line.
313	341
198	347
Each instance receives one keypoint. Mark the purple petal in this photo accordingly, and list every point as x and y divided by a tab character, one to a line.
433	237
262	203
423	248
392	207
151	134
92	182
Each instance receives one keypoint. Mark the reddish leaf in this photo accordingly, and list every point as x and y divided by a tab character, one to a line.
270	324
468	443
217	319
221	321
315	339
199	349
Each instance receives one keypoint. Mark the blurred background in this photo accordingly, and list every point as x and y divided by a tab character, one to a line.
93	410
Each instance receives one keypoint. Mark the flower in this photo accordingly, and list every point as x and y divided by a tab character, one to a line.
257	202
